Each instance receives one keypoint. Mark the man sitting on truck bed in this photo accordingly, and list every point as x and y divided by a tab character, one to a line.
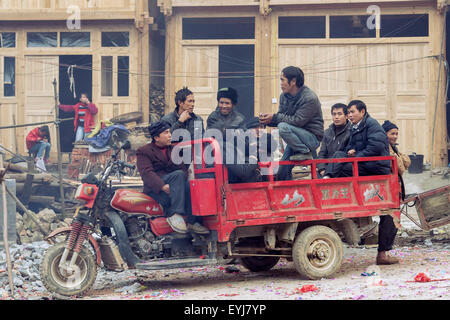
367	139
252	146
336	137
299	119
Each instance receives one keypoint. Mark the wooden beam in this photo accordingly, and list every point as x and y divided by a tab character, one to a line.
52	15
263	65
143	49
437	106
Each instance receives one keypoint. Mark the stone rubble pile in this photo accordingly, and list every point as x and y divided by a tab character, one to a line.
26	260
28	231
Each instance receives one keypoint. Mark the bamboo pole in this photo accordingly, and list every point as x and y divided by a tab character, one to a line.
5	231
58	146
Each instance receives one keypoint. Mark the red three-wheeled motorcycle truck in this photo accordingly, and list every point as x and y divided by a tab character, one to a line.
256	222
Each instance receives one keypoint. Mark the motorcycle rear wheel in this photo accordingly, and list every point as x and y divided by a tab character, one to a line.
77	284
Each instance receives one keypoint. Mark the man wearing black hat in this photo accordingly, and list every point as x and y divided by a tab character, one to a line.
225	116
248	149
165	181
299	119
183	117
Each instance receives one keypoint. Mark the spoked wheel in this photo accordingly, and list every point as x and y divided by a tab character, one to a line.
68	281
257	264
317	252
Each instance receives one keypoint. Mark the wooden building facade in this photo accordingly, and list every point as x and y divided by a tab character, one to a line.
98	47
395	69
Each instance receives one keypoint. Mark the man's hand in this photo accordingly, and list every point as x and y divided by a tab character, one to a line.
351	153
45	140
265	118
166	189
185	115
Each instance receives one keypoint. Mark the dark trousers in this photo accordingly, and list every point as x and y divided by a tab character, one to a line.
386	229
241	173
386	233
179	200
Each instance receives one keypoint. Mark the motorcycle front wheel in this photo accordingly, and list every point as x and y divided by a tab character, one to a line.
58	281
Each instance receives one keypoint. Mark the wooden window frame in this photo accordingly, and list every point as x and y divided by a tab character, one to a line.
115	81
2	77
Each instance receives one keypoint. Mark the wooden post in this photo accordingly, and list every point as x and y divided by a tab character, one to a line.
58	146
5	231
28	186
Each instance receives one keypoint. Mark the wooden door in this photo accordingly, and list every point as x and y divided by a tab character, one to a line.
392	79
199	70
39	94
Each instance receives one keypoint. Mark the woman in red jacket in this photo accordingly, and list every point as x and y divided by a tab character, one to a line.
84	116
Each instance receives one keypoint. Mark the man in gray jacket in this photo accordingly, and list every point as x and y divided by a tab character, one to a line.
183	117
299	119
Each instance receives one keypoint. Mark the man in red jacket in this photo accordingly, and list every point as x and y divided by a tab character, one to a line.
167	182
38	142
84	116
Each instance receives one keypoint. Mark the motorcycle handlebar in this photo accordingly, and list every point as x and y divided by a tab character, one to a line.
128	165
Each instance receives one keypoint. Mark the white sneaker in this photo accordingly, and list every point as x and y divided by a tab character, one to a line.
40	165
177	223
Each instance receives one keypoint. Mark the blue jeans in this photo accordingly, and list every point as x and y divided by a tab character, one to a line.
298	140
79	134
39	149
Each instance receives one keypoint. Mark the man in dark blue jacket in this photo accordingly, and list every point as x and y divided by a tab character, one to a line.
367	139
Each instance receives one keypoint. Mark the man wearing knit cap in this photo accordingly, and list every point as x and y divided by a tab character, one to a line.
225	116
165	181
249	147
403	161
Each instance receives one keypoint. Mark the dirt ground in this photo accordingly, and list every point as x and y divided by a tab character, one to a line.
419	252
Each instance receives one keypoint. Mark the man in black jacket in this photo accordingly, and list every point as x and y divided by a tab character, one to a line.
337	135
250	147
367	139
183	117
299	119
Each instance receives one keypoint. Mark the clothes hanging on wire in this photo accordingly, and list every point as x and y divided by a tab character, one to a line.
72	86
